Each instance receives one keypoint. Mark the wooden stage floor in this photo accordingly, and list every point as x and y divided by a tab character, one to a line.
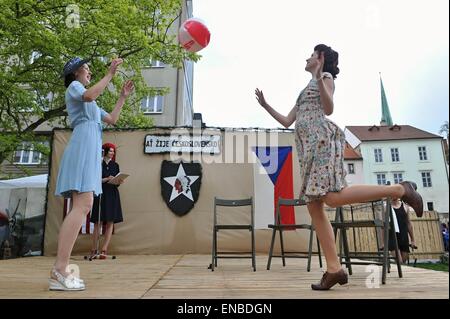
187	277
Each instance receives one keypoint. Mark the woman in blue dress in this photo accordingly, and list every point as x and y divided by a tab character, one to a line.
79	176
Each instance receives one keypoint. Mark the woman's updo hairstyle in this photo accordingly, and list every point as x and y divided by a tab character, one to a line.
331	59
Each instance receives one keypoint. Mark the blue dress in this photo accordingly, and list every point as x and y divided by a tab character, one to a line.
80	169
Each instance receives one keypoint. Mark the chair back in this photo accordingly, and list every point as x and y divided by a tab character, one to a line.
233	203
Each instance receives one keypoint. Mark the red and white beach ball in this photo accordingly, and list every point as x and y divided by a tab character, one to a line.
194	35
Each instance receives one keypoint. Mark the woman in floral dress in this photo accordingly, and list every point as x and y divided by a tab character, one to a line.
320	146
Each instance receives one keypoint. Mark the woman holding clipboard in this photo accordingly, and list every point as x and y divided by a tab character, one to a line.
111	209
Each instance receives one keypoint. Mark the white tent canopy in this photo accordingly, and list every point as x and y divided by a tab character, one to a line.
36	181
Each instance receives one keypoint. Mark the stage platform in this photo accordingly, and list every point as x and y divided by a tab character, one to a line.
187	276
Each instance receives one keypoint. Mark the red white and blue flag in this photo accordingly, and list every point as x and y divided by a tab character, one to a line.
273	178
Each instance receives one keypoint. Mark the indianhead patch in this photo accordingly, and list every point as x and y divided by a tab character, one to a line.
180	185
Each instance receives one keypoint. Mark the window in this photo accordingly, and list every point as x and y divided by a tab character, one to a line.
155	64
426	179
25	154
423	153
398	177
395	155
378	155
34	56
430	206
351	168
152	104
381	179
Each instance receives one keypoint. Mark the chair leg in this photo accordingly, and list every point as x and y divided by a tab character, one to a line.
385	252
341	245
397	252
215	247
397	257
253	250
269	261
346	251
319	253
282	247
213	252
308	268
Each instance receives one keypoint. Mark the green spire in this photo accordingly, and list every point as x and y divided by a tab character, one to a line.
385	114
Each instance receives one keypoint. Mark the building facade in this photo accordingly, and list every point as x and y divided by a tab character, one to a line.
353	164
402	152
176	107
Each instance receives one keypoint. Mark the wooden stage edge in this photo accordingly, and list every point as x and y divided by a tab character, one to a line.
188	277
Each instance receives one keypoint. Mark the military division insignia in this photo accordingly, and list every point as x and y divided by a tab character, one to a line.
180	185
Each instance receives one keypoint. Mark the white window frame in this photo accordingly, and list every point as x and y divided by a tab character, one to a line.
351	171
381	177
395	155
423	156
398	177
378	153
426	179
27	148
155	104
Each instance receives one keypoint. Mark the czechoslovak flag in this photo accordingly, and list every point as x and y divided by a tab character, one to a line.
272	176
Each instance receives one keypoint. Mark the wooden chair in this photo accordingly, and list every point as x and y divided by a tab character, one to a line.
233	203
380	257
278	227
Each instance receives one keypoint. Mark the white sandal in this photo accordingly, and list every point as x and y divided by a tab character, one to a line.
76	278
69	283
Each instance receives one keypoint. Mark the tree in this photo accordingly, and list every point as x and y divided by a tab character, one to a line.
38	36
444	129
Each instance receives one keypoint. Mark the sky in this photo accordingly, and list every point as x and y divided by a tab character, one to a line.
264	44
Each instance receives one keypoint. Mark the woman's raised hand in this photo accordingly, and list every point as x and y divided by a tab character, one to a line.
127	88
260	98
114	66
319	68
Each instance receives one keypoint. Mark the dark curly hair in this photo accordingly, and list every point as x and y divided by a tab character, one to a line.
69	78
331	59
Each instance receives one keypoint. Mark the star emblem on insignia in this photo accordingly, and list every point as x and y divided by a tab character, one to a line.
181	184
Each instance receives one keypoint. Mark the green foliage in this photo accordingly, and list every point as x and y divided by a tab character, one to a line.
433	266
52	31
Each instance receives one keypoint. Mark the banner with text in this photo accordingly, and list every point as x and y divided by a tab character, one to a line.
157	144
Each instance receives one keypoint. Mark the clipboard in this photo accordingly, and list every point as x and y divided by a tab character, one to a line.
118	178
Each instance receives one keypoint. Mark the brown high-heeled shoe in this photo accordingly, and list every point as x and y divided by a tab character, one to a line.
330	279
412	197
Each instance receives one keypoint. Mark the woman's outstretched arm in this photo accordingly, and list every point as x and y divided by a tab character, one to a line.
286	121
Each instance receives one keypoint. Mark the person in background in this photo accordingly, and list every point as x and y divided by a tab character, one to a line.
405	230
110	208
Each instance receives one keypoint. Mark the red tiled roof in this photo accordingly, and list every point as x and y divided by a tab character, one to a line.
350	153
395	132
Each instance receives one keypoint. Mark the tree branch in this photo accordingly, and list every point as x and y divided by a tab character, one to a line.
131	52
9	112
47	116
169	25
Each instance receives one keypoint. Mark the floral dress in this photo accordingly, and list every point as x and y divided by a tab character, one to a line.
320	147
